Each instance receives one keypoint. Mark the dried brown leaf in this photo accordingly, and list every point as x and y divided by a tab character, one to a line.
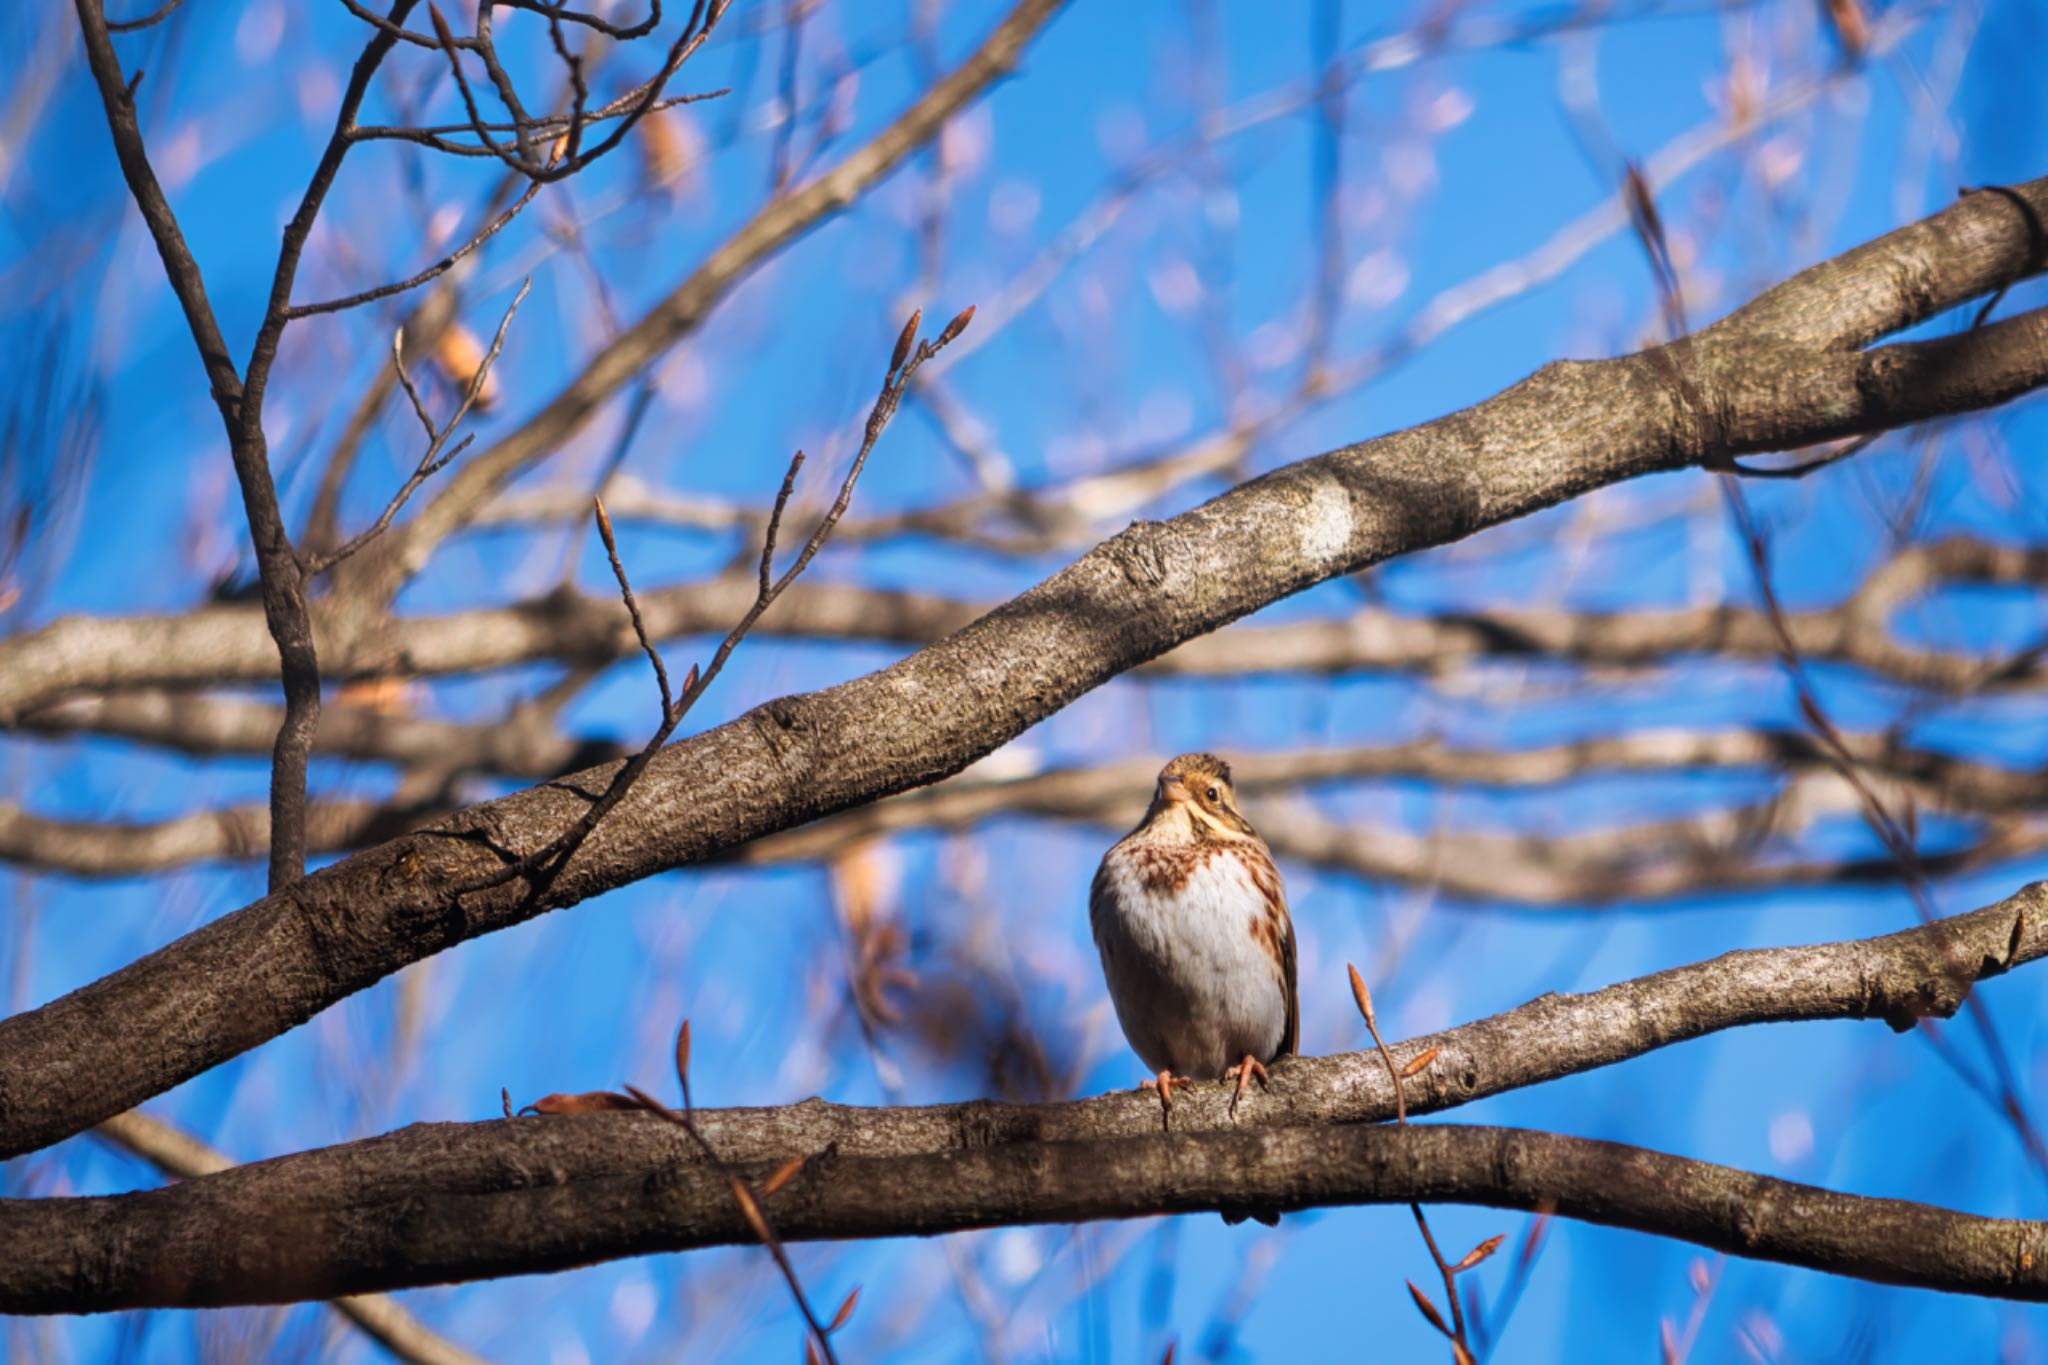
1479	1253
846	1307
1418	1064
664	149
589	1102
458	355
604	522
683	1033
1850	26
389	696
505	1098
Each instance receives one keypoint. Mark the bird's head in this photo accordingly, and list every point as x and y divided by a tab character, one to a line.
1195	799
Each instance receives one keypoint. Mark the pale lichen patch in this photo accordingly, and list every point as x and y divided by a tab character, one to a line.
1326	523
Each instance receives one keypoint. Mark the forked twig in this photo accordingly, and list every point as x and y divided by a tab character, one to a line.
743	1195
519	154
542	865
438	454
1454	1331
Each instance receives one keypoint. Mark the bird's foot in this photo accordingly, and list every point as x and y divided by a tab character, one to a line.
1164	1083
1242	1073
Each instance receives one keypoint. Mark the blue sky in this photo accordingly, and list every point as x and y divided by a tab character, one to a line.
1453	164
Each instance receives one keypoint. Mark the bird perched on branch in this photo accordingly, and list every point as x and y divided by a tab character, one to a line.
1192	925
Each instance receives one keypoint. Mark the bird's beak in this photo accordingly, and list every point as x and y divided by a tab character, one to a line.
1173	789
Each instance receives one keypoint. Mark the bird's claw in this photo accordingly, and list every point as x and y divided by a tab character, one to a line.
1164	1083
1243	1073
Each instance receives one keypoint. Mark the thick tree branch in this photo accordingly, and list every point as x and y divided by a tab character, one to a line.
1690	855
383	1320
120	848
1114	794
228	644
522	744
327	1222
1567	429
436	1203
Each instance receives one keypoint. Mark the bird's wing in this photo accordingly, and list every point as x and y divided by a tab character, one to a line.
1098	902
1290	1041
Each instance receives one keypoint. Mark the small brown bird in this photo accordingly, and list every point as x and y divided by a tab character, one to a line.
1192	925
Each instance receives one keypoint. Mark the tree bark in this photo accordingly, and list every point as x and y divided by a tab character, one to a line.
440	1202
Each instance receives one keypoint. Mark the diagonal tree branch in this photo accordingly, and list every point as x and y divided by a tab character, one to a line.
522	744
226	644
1569	428
1578	868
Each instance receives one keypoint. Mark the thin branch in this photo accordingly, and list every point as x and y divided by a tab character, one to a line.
611	550
435	458
149	20
540	867
436	137
519	744
434	271
542	168
239	396
748	1202
378	576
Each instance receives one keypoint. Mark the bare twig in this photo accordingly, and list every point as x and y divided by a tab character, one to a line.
1455	1331
239	396
438	268
541	866
438	454
541	166
544	126
748	1202
154	17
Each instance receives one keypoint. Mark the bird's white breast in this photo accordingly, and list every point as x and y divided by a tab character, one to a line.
1195	984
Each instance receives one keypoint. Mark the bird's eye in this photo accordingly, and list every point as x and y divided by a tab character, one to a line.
1212	793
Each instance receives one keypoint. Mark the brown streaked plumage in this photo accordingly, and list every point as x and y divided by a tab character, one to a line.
1191	921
